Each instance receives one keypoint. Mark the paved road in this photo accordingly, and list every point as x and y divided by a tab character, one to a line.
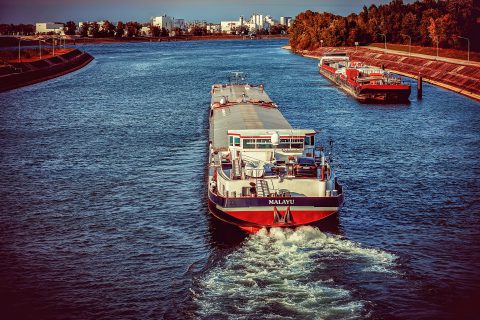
426	56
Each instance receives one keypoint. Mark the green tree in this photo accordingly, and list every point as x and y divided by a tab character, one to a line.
120	30
423	20
154	30
70	28
133	29
94	29
84	29
107	29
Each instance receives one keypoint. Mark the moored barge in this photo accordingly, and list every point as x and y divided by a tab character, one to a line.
364	83
263	172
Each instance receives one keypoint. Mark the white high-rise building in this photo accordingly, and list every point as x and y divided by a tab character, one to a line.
163	22
255	23
286	21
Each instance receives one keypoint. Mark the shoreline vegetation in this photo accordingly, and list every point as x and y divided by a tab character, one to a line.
427	23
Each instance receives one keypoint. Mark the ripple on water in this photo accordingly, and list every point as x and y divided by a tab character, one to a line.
276	274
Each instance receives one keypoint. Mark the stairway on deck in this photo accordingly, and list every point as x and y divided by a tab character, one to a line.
262	188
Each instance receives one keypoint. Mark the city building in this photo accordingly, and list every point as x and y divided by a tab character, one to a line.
179	23
164	22
255	23
229	26
145	31
47	27
214	28
286	21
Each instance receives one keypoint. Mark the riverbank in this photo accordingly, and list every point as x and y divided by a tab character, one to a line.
29	71
33	40
456	75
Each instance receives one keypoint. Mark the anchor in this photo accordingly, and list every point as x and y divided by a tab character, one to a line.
282	219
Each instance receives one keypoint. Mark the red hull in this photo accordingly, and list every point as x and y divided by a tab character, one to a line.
252	221
392	93
265	218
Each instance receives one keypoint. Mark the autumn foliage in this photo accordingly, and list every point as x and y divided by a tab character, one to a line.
425	21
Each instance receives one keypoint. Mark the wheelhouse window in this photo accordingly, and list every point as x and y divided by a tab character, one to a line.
309	140
234	141
284	144
257	144
292	143
248	143
264	144
296	144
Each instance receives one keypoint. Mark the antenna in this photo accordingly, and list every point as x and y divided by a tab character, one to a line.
236	77
330	153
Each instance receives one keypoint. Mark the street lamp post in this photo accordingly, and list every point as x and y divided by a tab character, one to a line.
468	48
321	43
53	41
19	57
385	39
409	43
437	47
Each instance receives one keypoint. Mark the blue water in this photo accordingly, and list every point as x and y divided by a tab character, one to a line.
103	206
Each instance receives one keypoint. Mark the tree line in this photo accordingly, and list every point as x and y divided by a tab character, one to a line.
22	29
426	22
108	29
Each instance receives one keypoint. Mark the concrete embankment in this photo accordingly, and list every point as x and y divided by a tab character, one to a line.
15	75
461	78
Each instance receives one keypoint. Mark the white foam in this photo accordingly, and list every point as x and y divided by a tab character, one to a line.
278	273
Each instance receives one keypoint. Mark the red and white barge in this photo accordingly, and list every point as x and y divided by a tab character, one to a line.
262	172
364	83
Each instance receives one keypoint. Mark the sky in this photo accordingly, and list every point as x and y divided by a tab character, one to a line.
31	11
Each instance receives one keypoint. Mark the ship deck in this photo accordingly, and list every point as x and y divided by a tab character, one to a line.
246	107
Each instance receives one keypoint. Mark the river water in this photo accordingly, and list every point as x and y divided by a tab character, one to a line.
104	214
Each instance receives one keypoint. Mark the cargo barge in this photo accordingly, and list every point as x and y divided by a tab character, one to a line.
263	172
364	83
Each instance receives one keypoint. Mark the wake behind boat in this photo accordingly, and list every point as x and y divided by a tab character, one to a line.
262	172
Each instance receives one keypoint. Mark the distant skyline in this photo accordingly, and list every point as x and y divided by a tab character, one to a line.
31	11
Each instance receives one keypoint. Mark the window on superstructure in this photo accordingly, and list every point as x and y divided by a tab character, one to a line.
248	143
296	143
309	140
237	141
292	143
230	141
264	144
284	144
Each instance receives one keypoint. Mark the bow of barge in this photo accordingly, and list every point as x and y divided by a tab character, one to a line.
263	172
